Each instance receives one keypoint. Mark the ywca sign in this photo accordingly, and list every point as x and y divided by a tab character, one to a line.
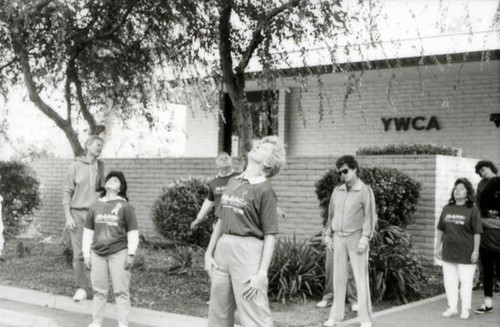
419	123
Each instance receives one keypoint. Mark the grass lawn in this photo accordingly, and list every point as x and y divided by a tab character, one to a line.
152	286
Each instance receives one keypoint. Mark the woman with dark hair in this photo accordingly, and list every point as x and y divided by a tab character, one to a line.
111	231
458	238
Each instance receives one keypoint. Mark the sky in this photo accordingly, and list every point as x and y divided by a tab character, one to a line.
407	28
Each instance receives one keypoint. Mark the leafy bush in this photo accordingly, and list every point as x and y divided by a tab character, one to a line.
396	194
19	187
177	207
411	149
396	270
296	270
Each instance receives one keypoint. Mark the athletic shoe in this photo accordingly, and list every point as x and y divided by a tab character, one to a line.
449	312
483	309
465	314
94	325
323	304
366	324
80	295
331	323
354	307
122	325
207	303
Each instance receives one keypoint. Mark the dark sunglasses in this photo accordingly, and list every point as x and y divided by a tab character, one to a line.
344	171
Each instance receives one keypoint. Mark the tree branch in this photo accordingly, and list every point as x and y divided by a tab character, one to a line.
8	64
112	30
40	6
22	54
81	101
257	36
225	43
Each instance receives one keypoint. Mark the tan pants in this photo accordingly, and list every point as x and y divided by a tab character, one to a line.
81	275
345	247
102	267
238	258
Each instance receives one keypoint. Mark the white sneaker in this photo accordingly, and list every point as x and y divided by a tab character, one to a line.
449	312
366	324
331	323
80	295
94	324
323	304
354	307
122	325
465	314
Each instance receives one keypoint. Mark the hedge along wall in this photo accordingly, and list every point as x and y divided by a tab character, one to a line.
294	187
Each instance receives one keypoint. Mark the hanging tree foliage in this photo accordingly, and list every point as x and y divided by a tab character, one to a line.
82	59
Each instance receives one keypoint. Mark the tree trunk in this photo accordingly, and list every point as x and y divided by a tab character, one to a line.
236	92
64	124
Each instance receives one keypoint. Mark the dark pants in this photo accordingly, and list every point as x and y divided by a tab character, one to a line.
489	259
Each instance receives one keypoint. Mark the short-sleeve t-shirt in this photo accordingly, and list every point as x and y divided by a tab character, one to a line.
217	186
248	209
459	224
110	221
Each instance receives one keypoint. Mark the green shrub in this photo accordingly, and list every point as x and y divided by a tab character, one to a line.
396	269
296	271
411	149
19	187
396	194
177	207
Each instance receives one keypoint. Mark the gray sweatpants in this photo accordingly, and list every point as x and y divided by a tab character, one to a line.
351	285
346	247
102	267
81	275
238	258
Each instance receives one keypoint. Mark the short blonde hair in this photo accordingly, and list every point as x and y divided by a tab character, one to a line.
91	140
277	159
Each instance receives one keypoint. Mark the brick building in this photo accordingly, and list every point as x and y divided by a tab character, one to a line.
444	100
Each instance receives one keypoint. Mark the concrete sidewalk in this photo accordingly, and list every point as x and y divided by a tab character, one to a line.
425	313
140	316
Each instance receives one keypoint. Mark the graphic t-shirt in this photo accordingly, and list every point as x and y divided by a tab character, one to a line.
217	188
248	209
459	224
110	222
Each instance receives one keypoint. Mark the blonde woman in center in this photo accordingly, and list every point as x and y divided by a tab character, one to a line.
242	243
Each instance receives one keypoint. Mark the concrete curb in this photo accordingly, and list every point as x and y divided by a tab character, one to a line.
12	318
396	309
137	315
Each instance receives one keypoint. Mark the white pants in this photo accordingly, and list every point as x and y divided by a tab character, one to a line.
455	274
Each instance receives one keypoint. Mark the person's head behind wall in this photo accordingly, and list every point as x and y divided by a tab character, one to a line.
462	185
270	152
223	161
93	146
486	169
347	168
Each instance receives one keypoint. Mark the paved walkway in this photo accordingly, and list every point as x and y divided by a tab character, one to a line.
23	308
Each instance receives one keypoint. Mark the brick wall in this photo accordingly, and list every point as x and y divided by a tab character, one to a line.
462	108
294	187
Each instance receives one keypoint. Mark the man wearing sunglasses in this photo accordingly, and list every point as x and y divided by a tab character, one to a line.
351	223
